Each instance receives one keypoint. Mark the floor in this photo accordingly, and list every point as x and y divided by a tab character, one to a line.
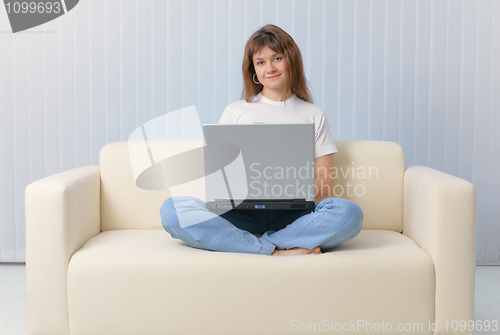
14	314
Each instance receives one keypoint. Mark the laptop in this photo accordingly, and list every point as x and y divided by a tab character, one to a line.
259	166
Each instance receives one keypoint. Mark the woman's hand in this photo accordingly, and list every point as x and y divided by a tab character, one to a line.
323	180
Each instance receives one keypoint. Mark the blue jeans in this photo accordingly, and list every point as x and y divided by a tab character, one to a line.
333	221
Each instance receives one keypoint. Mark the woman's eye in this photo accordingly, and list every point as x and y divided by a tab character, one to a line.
277	58
260	63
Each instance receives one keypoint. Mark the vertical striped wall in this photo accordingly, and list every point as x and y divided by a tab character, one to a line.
423	73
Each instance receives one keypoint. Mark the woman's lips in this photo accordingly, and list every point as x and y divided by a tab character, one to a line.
274	76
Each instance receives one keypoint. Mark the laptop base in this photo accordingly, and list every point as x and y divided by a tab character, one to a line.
269	204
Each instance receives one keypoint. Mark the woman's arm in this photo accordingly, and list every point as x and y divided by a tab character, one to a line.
323	171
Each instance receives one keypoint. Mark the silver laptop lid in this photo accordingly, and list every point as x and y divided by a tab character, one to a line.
259	161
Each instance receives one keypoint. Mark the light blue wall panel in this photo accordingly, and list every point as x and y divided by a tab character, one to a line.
268	11
284	15
377	65
112	64
361	68
345	71
128	68
7	185
221	51
467	88
206	63
482	116
190	70
34	132
20	142
452	103
97	79
300	26
158	58
313	54
34	112
492	227
81	67
237	41
437	84
252	16
423	68
174	61
143	61
408	77
330	81
51	97
392	67
66	83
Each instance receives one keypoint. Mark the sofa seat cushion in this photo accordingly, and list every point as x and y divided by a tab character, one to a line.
145	282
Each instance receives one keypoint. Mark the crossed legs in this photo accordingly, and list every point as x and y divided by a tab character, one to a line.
333	221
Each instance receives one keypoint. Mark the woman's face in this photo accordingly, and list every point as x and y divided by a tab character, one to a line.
272	72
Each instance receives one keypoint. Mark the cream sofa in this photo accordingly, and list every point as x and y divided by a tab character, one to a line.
99	262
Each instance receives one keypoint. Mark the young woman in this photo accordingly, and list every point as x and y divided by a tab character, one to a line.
275	91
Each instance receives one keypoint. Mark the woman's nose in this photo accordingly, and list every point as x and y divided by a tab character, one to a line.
271	68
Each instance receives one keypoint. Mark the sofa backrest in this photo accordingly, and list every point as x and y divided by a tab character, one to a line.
369	173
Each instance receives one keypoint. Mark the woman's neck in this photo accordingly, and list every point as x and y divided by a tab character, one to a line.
277	95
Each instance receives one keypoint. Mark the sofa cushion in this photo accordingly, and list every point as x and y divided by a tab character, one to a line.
145	282
370	173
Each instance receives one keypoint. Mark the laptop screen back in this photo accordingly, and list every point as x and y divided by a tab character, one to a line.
259	161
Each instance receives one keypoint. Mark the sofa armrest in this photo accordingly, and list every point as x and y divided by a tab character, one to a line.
62	213
440	216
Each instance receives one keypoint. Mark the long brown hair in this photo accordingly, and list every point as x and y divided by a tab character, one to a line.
279	41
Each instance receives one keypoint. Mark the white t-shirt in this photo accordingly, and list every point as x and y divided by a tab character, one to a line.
293	110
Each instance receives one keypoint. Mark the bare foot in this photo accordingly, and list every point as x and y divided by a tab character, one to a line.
316	251
296	251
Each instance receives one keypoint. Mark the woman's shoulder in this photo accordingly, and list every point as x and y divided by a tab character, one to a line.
309	107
